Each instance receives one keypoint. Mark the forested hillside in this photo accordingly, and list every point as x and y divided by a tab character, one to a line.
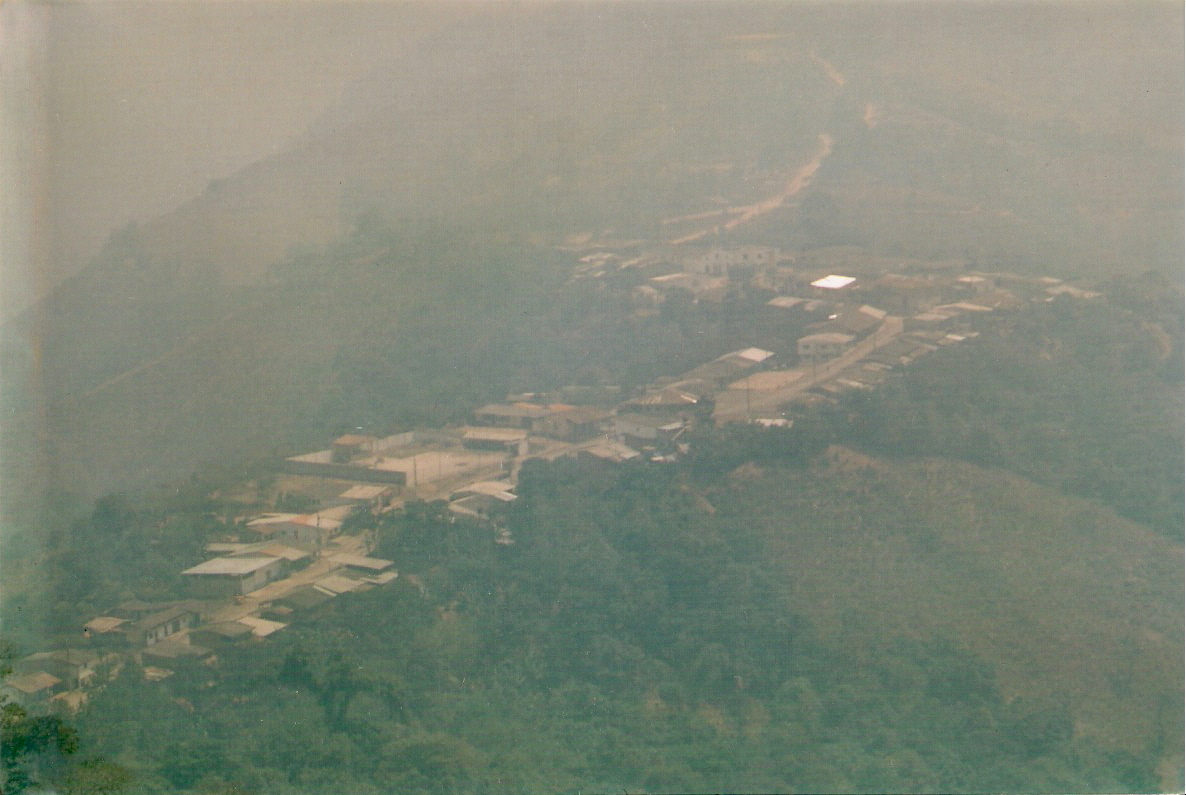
913	590
844	626
952	563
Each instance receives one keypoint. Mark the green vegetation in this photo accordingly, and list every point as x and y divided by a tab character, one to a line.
967	580
659	629
1084	397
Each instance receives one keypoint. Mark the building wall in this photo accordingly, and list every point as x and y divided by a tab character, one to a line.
819	351
259	578
344	472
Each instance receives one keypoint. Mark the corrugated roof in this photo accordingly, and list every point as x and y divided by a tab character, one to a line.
502	489
362	561
364	492
274	518
103	624
261	627
829	337
494	434
33	683
353	439
665	397
612	451
337	583
522	410
231	566
286	552
784	302
585	414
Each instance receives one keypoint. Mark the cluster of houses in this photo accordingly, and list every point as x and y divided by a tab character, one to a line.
285	563
247	589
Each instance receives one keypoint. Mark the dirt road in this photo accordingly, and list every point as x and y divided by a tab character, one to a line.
746	213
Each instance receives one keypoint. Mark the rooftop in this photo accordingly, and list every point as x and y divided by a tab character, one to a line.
352	440
274	518
832	337
756	355
647	421
784	301
235	567
362	561
521	410
365	492
103	624
261	627
338	583
612	451
833	282
33	683
494	434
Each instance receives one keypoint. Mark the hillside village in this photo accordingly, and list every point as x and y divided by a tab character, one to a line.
863	318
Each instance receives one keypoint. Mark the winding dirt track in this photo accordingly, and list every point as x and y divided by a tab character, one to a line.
746	213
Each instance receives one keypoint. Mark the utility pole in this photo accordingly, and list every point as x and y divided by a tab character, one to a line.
748	418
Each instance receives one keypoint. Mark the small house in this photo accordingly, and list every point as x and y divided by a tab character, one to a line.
311	530
160	625
503	440
233	576
31	689
823	347
572	425
643	430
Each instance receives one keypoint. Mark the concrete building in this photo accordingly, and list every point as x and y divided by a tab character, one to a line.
233	576
572	425
502	440
823	347
733	263
859	321
511	415
644	430
322	464
310	530
158	626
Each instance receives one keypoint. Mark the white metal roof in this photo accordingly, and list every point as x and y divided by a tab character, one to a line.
833	282
754	354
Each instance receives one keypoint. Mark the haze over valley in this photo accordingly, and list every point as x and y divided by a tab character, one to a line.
754	396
